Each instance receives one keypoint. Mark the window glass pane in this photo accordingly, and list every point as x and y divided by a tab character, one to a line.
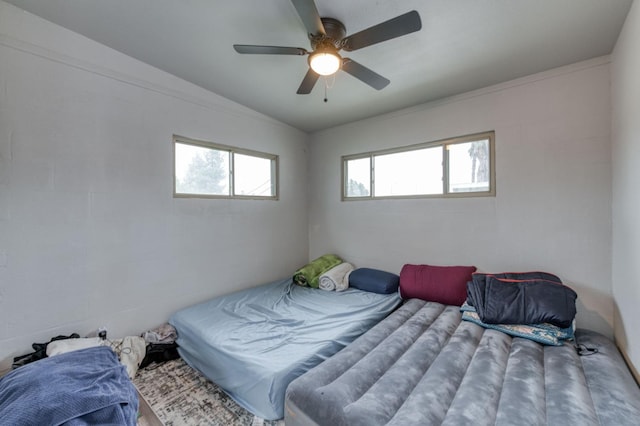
358	178
253	176
416	172
469	166
201	170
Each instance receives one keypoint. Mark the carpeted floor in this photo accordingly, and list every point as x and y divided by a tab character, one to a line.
181	396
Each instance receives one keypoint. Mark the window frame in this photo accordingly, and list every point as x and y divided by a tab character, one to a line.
489	135
232	150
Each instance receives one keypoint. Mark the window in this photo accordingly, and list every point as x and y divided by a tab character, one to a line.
457	167
208	170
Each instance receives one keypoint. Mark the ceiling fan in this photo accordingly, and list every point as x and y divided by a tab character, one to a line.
327	36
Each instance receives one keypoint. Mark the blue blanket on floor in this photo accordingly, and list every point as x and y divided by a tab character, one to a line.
84	387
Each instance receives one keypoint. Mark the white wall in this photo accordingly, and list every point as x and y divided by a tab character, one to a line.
89	232
626	190
553	168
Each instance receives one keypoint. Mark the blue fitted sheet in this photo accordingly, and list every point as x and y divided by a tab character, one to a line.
253	343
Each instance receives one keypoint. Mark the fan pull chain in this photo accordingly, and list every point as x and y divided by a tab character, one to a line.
328	86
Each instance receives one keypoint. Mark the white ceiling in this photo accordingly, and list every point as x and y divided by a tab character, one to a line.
463	45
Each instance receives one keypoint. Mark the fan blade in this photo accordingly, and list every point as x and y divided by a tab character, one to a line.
364	74
269	50
396	27
308	82
310	17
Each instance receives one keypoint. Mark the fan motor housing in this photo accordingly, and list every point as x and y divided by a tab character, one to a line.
334	30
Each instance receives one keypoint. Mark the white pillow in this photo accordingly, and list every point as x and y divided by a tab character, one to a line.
58	347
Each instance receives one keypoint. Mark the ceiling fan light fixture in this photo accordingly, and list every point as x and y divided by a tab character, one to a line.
325	62
327	37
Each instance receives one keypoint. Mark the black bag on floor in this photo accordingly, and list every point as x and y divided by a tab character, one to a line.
40	351
160	352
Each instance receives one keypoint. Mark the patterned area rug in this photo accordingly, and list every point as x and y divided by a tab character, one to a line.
181	396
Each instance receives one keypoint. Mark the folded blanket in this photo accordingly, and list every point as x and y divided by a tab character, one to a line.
511	300
309	275
336	278
547	334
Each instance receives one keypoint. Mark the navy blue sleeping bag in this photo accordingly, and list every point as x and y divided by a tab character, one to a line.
522	298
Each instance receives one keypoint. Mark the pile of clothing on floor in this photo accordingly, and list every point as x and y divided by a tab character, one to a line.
43	386
161	345
134	352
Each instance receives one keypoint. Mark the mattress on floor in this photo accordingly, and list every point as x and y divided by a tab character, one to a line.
255	342
424	366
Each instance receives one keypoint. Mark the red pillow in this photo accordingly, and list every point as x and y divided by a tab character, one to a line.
442	284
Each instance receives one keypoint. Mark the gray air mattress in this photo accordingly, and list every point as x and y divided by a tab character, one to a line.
424	366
